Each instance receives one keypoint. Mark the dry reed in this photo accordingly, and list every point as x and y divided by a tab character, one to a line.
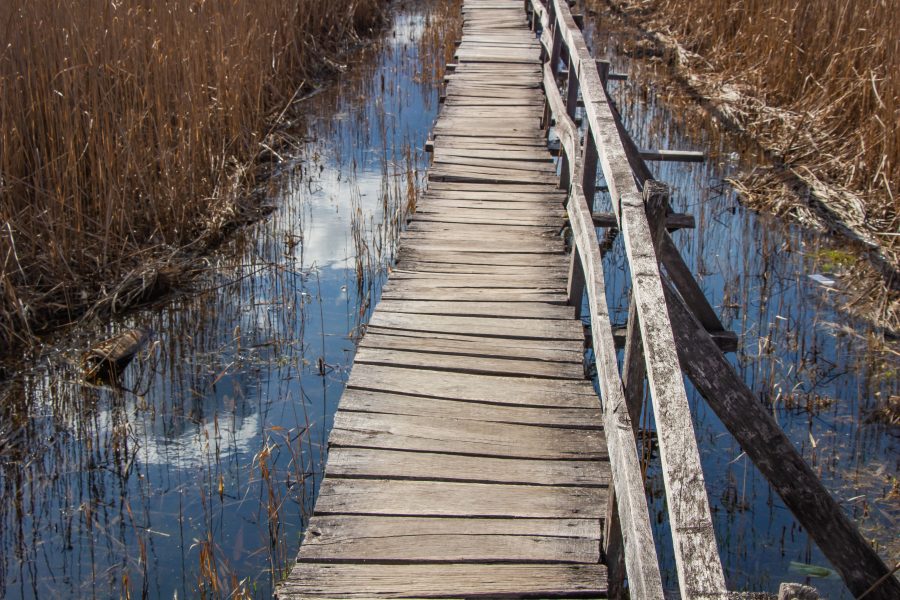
126	131
815	82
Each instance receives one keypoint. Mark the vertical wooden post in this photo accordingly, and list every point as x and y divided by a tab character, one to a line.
589	158
575	287
571	88
556	46
603	71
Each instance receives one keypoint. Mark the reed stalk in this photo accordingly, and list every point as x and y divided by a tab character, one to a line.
128	133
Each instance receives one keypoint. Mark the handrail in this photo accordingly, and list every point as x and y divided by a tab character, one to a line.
640	552
699	569
657	304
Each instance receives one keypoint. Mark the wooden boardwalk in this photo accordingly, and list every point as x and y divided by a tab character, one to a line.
468	457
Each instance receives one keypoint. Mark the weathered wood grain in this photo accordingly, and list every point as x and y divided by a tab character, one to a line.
438	540
470	345
314	580
373	463
517	391
465	436
468	458
451	499
406	404
467	364
639	551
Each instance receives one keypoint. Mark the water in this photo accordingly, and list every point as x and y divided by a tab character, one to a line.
197	479
822	372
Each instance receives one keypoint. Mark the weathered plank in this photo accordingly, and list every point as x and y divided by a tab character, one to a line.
452	499
516	391
471	345
552	329
530	310
441	540
640	553
315	580
465	436
373	463
406	404
468	364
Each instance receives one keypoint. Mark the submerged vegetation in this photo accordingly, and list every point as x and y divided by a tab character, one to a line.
815	83
128	134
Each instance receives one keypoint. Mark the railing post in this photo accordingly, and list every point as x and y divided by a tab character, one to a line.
589	158
575	286
571	88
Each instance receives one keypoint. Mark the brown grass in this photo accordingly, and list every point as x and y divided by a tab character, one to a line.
126	131
815	82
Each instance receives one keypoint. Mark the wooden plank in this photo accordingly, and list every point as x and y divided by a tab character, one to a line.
315	580
552	329
464	436
480	258
514	391
436	540
417	291
508	189
468	364
531	310
499	233
452	499
514	222
405	404
373	463
533	350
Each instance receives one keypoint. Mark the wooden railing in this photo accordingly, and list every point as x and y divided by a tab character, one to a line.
671	331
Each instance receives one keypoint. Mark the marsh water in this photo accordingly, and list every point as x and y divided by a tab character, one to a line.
195	476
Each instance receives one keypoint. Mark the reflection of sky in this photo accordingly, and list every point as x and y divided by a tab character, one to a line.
327	240
230	405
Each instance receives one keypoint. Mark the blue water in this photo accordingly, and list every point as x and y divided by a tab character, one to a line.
214	453
197	479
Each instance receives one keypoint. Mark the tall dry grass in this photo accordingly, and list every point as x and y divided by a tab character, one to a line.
822	77
126	131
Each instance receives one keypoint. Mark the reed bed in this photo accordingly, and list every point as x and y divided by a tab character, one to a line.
814	82
128	133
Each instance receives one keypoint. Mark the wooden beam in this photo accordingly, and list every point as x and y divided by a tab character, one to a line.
673	155
674	221
640	552
775	456
696	551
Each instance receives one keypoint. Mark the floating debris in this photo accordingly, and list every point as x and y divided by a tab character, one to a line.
822	279
106	360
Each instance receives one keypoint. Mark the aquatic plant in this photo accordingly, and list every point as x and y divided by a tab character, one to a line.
128	131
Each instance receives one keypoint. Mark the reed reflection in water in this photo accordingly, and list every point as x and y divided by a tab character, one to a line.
195	478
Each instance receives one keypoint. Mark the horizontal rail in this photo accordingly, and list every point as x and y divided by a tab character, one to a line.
673	155
700	573
663	330
640	552
673	220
